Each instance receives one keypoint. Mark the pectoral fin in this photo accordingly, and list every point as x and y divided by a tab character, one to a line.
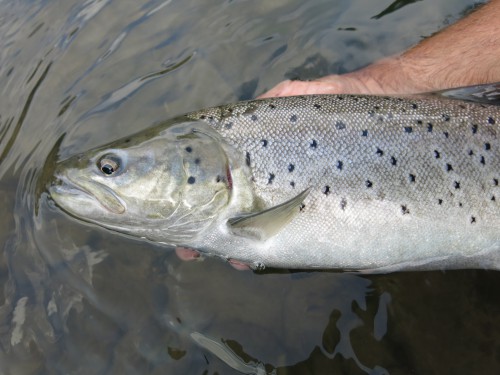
265	224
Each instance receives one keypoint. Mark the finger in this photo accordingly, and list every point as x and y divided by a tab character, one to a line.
187	254
276	90
289	88
240	266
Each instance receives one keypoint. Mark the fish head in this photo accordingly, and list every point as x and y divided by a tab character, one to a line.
165	184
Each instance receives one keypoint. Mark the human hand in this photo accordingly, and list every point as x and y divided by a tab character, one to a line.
333	84
187	254
391	76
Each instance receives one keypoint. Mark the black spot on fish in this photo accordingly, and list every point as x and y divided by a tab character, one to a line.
474	129
271	178
414	106
291	167
493	198
376	107
482	161
461	106
317	106
440	201
229	125
314	144
393	160
188	149
293	118
272	106
487	146
446	117
203	117
379	152
343	204
404	209
412	177
254	117
429	127
471	152
369	184
264	142
191	180
491	120
340	165
247	159
449	168
364	133
437	155
495	181
292	184
218	179
419	122
197	161
456	185
127	140
472	219
326	190
211	118
340	125
302	207
446	134
460	204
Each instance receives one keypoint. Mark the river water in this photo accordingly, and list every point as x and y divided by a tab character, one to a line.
77	299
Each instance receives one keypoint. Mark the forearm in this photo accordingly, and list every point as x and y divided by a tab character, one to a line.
465	53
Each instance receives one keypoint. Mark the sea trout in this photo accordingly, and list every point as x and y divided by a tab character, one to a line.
347	182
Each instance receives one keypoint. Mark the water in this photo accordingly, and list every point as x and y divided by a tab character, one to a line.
78	299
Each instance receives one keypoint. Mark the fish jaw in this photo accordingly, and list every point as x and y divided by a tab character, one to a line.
85	195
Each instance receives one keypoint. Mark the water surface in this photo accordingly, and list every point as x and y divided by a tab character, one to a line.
79	299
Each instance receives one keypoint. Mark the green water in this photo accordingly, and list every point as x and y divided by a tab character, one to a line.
77	299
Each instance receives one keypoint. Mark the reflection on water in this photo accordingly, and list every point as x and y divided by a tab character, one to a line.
77	299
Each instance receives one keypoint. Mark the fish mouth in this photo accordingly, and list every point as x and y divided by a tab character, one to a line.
87	191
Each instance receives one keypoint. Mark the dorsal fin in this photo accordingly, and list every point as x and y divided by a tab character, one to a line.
485	94
265	224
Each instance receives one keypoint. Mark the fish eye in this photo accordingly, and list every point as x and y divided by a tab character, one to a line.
109	165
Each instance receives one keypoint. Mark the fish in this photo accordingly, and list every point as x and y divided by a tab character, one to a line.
348	182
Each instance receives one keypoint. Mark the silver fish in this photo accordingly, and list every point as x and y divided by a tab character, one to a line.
329	181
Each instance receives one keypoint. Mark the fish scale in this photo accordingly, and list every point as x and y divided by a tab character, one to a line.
328	181
414	152
394	155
